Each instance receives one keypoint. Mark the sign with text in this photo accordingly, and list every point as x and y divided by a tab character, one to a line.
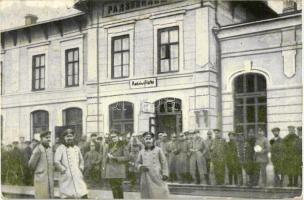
129	5
147	107
143	83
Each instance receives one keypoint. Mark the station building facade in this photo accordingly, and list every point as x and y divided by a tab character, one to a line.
136	66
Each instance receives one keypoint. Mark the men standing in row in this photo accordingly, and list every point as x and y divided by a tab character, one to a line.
69	161
41	161
277	153
218	150
197	152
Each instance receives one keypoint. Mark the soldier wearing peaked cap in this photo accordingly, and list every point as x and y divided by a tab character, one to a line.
276	149
153	167
290	157
41	162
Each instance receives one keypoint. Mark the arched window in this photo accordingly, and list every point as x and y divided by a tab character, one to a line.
250	103
168	116
40	121
121	117
72	118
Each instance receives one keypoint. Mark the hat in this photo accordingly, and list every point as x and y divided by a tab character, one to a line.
27	142
148	133
291	127
164	135
113	134
186	132
231	133
15	142
196	131
99	137
93	134
45	133
299	128
216	130
275	129
68	131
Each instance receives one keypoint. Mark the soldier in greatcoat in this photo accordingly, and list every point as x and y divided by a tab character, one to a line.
299	154
115	157
172	158
69	162
182	158
218	150
92	160
276	149
153	167
291	155
41	161
197	158
232	160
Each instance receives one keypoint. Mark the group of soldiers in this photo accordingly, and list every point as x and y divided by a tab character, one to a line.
241	160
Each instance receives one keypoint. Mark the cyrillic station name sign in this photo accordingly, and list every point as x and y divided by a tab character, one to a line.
143	83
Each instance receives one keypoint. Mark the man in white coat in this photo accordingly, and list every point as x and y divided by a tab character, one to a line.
153	167
69	161
41	162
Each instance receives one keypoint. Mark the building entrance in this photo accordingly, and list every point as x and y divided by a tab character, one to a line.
168	116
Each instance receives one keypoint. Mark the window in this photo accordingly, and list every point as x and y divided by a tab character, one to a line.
1	77
38	82
250	103
72	67
72	118
40	121
168	50
121	117
120	56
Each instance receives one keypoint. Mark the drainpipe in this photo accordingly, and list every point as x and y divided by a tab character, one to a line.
218	64
98	78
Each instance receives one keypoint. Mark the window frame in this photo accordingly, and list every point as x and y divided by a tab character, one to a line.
121	52
123	121
67	62
244	96
33	123
159	45
34	68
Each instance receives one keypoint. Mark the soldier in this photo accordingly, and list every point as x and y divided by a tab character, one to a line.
182	158
291	153
218	149
69	162
197	158
41	162
172	157
115	156
276	150
91	165
208	143
299	153
134	148
240	142
15	172
153	167
261	149
164	144
250	165
188	137
232	160
26	152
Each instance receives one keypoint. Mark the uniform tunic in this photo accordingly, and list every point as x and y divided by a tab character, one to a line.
182	157
71	183
197	151
41	162
151	184
172	157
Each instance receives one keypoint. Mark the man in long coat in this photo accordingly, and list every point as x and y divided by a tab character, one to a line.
276	150
153	167
218	150
69	161
291	154
182	158
232	160
197	159
115	157
41	162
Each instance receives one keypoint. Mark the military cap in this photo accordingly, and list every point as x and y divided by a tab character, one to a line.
186	132
15	142
45	133
299	128
196	131
231	133
216	130
93	135
27	142
291	127
275	129
67	131
165	135
145	134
